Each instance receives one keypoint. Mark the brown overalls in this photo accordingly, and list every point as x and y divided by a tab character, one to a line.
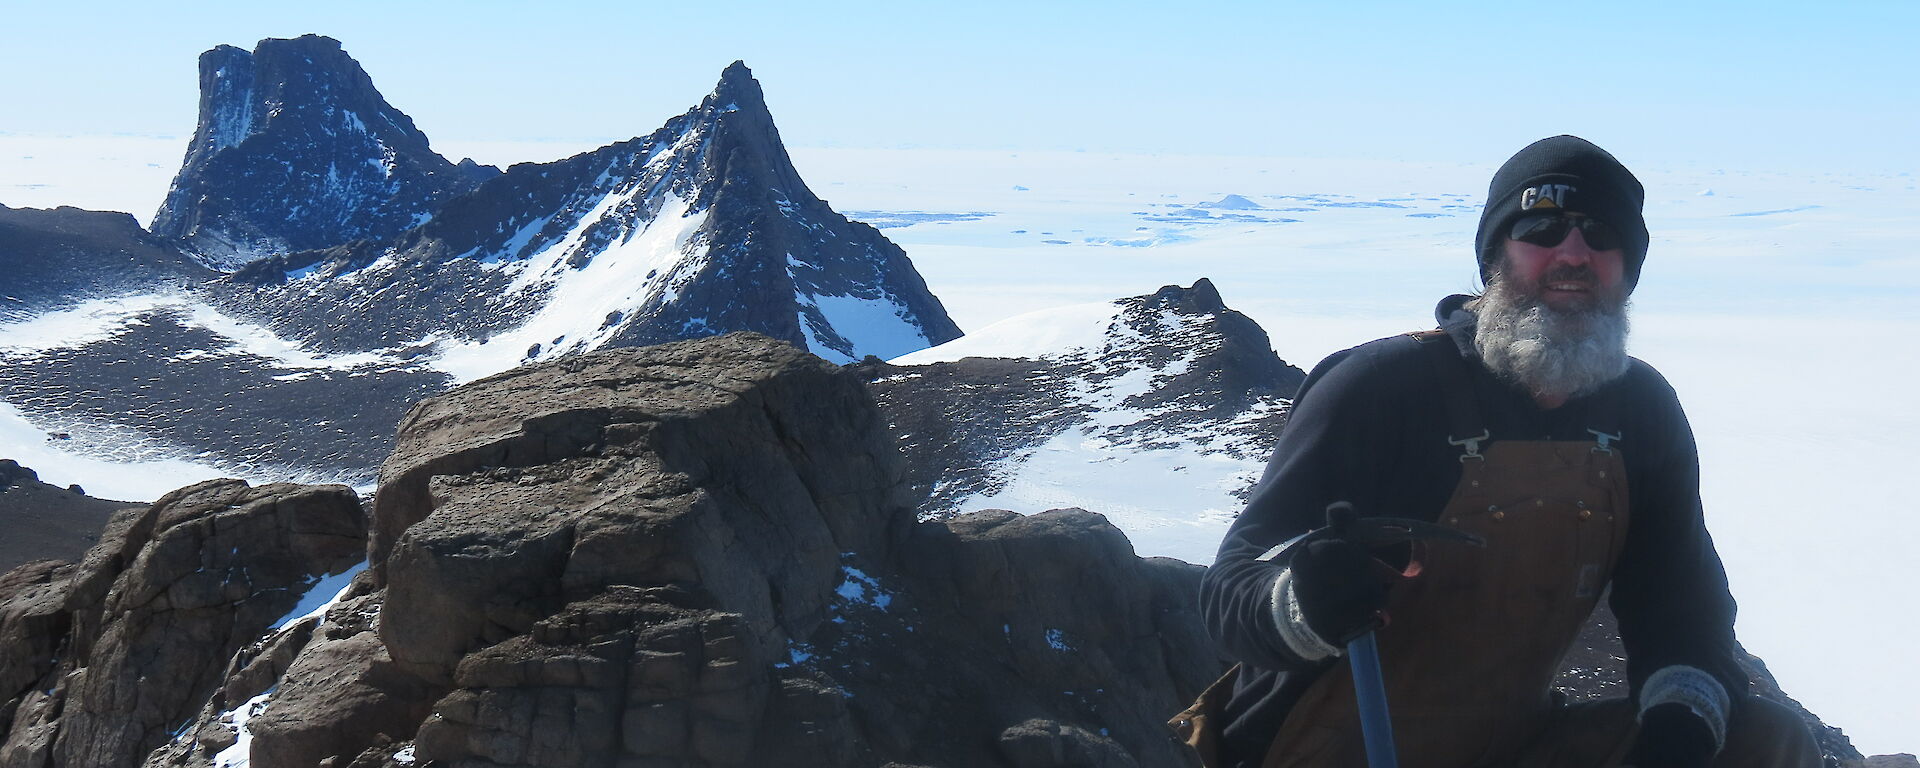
1476	639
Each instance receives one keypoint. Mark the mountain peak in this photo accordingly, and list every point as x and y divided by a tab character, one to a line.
307	41
299	119
738	91
1202	298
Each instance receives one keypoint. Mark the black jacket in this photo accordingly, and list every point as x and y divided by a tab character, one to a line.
1370	426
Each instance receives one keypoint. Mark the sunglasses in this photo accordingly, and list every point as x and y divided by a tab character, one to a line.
1548	229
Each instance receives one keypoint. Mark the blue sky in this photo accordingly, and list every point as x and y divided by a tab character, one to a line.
1750	85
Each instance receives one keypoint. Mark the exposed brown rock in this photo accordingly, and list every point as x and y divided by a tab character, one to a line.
700	554
738	463
156	610
33	626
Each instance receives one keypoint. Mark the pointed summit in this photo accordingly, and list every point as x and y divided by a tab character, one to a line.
296	150
737	81
737	94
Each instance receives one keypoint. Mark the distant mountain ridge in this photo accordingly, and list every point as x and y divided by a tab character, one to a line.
317	267
295	149
48	257
704	225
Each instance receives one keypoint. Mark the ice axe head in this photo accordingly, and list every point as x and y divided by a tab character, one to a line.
1346	523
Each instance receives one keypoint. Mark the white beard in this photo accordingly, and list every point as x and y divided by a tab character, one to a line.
1548	352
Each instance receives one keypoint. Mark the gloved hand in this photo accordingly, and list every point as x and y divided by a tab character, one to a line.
1671	736
1341	588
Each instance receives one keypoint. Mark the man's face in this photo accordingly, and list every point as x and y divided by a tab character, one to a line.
1568	276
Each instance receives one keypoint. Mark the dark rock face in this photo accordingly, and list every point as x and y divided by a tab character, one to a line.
702	553
107	656
55	258
296	150
705	222
46	522
1215	381
34	624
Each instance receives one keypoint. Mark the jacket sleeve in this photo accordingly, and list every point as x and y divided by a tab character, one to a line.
1670	590
1328	451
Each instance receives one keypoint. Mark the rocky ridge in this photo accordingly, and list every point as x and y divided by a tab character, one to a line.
705	226
60	257
105	658
702	553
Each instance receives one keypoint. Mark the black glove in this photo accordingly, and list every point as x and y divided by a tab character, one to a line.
1341	588
1671	736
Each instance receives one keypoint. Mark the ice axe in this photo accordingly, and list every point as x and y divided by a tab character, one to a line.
1363	652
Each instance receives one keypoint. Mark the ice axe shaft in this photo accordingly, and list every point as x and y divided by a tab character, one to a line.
1370	691
1363	652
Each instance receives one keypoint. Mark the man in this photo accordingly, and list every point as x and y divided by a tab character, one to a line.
1522	421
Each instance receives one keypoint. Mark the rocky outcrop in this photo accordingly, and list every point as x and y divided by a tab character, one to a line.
107	657
296	150
703	553
44	521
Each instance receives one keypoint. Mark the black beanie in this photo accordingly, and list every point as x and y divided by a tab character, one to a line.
1570	173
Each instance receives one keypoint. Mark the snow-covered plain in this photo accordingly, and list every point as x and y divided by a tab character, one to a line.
1781	307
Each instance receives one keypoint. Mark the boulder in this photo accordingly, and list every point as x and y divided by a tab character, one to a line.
738	463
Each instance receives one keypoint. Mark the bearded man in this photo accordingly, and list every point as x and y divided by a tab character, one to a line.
1521	420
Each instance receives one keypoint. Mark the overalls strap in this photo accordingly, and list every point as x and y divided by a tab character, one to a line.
1466	429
